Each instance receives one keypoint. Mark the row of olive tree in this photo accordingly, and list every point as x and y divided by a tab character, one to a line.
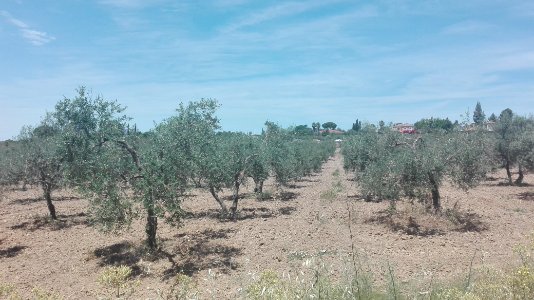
291	159
85	144
391	166
229	159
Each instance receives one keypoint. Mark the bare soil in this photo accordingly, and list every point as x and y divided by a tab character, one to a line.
307	220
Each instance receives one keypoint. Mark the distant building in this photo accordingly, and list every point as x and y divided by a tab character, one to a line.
404	128
486	126
489	125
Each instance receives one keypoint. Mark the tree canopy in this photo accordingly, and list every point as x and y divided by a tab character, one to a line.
356	126
390	165
478	115
514	143
303	130
104	162
434	124
329	125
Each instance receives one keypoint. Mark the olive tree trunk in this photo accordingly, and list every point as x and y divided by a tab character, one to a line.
434	189
519	179
46	185
235	196
258	187
151	228
47	192
219	200
508	172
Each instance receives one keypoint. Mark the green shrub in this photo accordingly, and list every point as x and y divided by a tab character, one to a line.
116	278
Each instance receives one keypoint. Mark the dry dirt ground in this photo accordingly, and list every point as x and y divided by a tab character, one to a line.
307	221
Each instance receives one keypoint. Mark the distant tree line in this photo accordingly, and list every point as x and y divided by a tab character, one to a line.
434	124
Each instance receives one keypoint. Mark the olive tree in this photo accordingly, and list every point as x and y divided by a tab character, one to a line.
41	160
527	158
34	158
215	172
280	158
238	149
192	137
13	169
374	158
192	133
124	174
259	167
514	143
179	144
229	164
100	161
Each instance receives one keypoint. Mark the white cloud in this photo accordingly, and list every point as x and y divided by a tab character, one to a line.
35	37
283	9
328	67
7	16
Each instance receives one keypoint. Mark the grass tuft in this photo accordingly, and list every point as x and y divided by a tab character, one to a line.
8	291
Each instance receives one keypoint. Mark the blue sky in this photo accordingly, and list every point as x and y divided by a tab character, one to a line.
291	62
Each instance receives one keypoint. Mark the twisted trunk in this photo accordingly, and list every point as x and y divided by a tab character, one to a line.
46	185
219	200
47	191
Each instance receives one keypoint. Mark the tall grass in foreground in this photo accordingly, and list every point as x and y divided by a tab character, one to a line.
316	280
320	285
319	281
515	283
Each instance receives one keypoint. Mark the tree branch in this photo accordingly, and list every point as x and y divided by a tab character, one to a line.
132	152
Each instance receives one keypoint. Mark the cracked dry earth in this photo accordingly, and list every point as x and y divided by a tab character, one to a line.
308	220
